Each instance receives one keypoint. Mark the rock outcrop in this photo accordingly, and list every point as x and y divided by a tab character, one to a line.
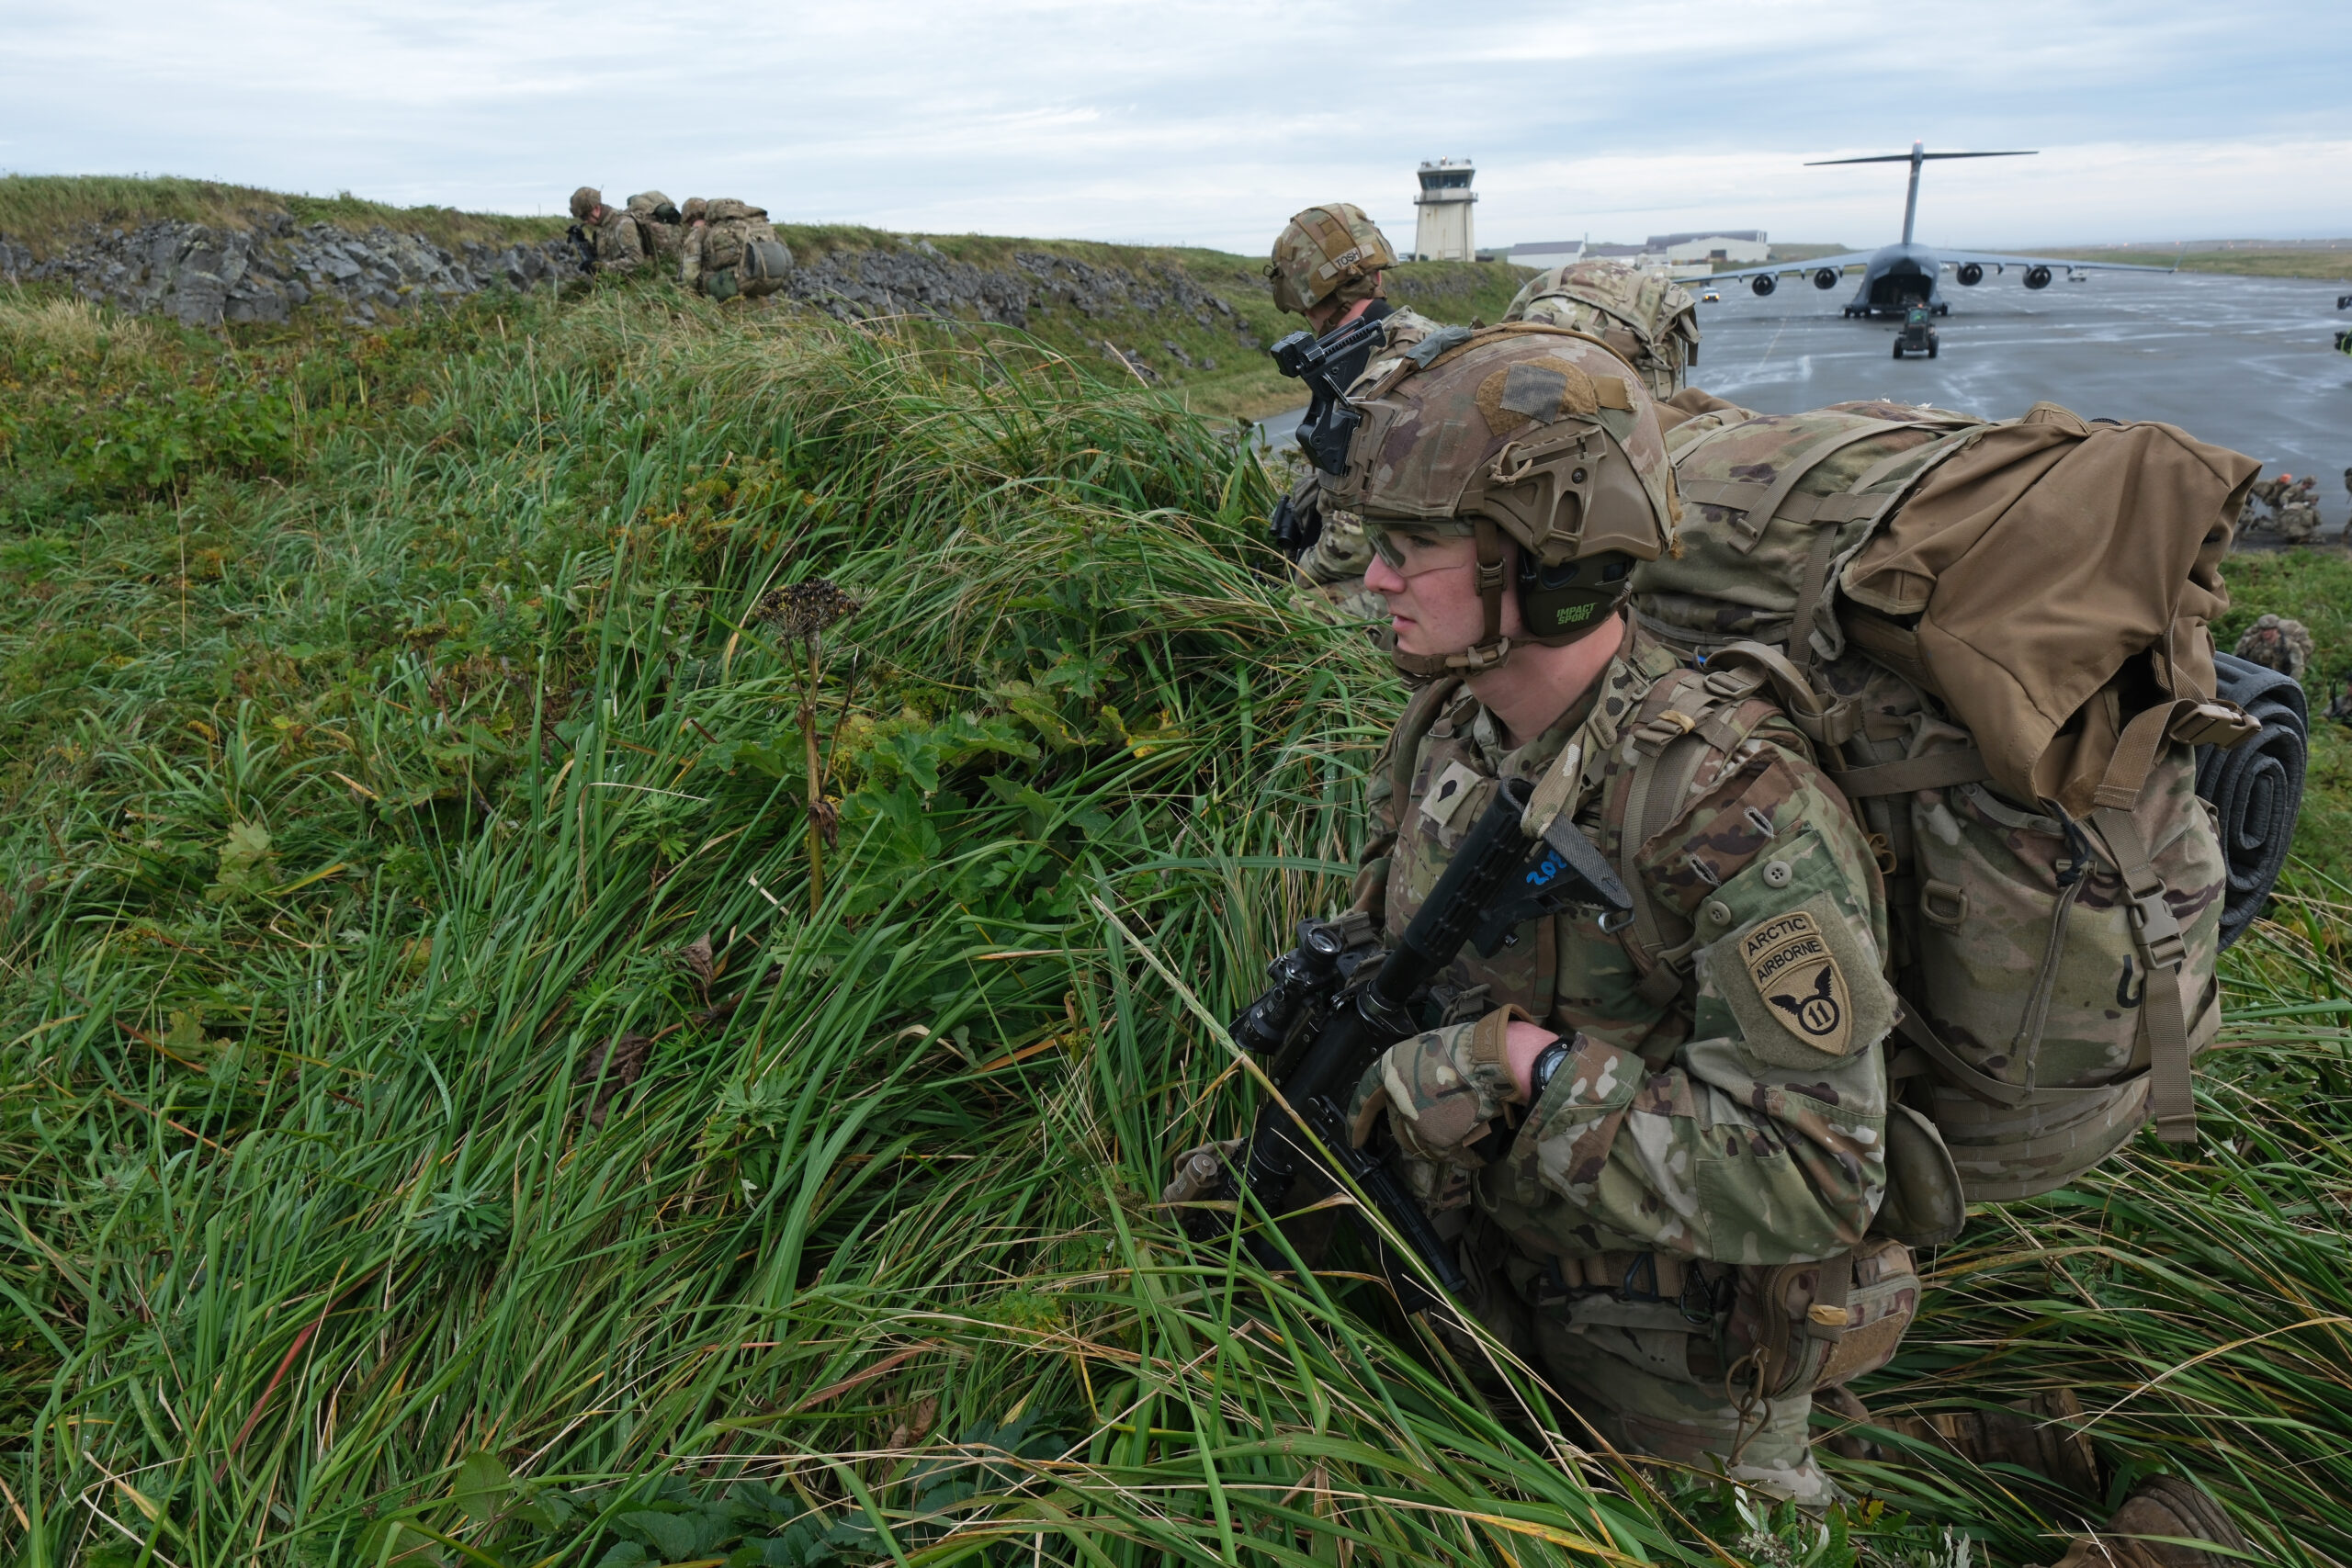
917	280
203	276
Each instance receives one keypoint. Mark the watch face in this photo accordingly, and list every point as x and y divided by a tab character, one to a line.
1547	1062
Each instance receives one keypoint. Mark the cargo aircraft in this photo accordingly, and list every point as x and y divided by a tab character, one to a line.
1896	277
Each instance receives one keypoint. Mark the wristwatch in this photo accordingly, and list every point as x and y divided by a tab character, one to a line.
1547	1062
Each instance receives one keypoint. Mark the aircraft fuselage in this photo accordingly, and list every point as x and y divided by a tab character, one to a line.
1897	278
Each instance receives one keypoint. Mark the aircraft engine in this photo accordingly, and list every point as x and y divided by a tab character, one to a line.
1824	277
1970	273
2037	278
1762	283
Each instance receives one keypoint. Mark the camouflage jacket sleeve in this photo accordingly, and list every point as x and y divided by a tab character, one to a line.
1760	1137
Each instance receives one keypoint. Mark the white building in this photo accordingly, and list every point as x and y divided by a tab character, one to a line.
1737	247
1545	254
1445	231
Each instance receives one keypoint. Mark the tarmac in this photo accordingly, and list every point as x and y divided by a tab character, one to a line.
2246	362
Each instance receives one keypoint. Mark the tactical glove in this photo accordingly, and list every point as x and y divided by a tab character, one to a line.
1447	1088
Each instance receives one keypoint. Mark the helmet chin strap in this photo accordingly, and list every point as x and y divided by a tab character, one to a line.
1489	651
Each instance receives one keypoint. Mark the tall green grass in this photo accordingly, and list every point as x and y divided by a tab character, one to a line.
439	1123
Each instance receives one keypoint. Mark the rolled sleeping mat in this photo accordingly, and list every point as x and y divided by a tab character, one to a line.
2257	787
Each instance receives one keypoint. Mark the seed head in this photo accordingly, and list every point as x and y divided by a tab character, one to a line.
806	609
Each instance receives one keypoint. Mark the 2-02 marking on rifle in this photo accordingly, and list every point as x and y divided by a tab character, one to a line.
1493	885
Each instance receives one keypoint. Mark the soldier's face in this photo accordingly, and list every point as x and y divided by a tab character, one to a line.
1430	581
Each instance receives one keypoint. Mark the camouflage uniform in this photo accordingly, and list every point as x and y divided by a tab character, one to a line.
2294	506
613	242
1703	1131
1648	319
1332	567
657	226
2278	642
729	248
1335	253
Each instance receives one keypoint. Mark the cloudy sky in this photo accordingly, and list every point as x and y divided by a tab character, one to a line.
1208	122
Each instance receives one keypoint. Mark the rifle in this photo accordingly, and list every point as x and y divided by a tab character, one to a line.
583	247
1495	884
1330	418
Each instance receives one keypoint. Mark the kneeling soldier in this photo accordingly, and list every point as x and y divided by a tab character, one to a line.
607	238
1663	1144
1328	265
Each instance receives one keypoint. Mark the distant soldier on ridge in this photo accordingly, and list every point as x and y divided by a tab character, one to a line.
2294	505
1328	265
658	224
608	238
2278	642
729	248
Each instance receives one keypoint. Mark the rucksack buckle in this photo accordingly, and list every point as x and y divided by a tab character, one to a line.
2156	929
1666	728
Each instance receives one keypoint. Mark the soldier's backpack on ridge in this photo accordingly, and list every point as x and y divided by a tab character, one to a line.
1647	318
1994	634
656	218
732	250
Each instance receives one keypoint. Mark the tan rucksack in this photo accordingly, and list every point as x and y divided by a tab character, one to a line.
657	224
735	251
1995	635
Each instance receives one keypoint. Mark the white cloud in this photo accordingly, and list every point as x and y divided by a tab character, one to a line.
1209	121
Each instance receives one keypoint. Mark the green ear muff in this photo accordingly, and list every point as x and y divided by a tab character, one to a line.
1561	603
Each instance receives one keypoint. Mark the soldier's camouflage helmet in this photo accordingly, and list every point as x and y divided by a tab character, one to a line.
1524	432
1326	251
584	200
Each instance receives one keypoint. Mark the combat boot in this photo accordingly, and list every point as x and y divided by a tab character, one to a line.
2042	1434
2161	1505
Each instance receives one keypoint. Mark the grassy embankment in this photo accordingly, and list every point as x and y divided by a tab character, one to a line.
441	1116
1220	370
1231	374
2330	259
48	211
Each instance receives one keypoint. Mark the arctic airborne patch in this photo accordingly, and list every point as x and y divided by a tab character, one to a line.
1789	961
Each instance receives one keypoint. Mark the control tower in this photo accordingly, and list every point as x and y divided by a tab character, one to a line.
1445	231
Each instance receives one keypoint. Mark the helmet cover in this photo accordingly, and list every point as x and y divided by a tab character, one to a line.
1533	434
584	200
1326	251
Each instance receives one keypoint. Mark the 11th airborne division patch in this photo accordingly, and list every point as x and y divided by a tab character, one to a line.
1794	970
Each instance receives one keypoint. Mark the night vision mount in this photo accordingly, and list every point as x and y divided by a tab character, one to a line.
1330	422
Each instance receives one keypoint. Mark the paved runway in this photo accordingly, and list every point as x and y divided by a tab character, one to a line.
2246	362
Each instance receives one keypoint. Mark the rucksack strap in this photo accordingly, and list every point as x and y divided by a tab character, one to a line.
1682	719
2157	932
1405	745
1827	720
1937	770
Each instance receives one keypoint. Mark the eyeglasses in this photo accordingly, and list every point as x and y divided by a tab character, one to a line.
1410	555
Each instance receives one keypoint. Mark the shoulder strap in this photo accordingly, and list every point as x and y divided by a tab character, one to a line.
1683	717
2157	932
1404	744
